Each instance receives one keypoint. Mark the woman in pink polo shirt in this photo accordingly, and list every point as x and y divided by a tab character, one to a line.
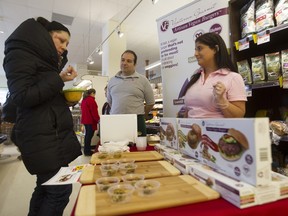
215	90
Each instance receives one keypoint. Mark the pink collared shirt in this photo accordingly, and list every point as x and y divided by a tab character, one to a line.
199	99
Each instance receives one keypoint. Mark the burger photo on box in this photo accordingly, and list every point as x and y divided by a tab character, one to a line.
232	145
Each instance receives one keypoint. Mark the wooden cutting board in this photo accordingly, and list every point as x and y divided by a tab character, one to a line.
150	169
174	191
137	156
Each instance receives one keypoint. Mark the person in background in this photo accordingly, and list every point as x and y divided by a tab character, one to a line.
35	55
128	90
106	106
89	118
216	90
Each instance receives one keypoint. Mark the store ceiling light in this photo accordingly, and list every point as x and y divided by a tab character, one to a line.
154	1
119	32
84	84
153	65
100	51
90	60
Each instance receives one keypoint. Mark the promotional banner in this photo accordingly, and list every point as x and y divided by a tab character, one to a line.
177	32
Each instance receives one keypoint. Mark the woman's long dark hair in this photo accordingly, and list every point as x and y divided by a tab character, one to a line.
223	60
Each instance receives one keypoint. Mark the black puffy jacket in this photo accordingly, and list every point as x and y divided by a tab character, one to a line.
44	127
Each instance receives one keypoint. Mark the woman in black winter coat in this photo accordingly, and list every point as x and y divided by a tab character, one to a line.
35	54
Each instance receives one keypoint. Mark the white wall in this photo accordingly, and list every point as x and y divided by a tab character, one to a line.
98	83
3	81
3	88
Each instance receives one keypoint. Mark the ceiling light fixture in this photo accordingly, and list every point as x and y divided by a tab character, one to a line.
154	1
90	60
98	49
153	65
119	32
84	84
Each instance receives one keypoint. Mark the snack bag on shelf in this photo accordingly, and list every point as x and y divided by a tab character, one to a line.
272	61
284	63
258	69
264	14
281	12
247	19
245	71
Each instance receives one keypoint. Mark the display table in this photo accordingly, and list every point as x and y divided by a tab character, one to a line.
214	207
217	207
221	207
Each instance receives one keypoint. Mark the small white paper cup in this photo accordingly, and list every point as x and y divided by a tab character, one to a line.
141	143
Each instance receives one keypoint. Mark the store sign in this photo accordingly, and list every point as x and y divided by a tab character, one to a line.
177	32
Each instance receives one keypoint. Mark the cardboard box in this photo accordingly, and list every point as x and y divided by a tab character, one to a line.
238	193
239	148
168	153
182	163
168	132
161	149
281	183
190	136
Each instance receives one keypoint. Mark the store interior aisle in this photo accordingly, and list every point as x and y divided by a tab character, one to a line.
17	185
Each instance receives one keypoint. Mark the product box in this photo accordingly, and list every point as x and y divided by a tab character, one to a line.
182	162
281	183
239	148
170	155
238	193
168	132
161	149
190	136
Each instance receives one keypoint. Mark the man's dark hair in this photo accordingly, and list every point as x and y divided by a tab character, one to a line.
133	53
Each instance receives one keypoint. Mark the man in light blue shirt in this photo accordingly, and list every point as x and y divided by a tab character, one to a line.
128	90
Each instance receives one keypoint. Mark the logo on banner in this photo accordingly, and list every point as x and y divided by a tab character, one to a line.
164	26
216	28
197	34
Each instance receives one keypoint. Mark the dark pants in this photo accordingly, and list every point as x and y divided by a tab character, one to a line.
49	200
141	125
89	133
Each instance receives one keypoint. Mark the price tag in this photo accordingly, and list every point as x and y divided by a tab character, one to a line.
248	89
243	44
263	37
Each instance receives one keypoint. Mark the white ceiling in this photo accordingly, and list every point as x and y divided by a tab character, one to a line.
140	26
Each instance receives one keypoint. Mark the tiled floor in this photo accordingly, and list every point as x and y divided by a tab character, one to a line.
17	185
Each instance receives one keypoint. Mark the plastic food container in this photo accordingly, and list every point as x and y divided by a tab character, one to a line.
132	178
147	187
109	162
103	154
127	168
108	170
117	154
126	161
104	183
121	193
